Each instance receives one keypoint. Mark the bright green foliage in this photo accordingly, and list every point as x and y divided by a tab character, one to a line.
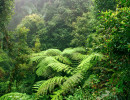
16	96
97	71
89	61
49	85
54	69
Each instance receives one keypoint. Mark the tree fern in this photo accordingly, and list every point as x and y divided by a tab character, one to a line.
72	62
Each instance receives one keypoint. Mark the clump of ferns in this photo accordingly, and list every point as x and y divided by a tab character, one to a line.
57	67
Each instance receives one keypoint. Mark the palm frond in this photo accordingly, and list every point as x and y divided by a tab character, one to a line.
49	85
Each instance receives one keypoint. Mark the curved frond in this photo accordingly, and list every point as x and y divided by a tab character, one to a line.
89	62
52	52
64	60
37	85
67	52
71	82
37	57
59	67
49	85
43	66
78	56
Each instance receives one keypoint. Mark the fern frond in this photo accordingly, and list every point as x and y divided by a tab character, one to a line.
16	96
67	52
71	82
37	85
43	66
59	67
49	85
89	62
37	57
78	56
52	52
64	60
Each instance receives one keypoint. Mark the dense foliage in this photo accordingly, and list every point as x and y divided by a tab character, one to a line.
65	50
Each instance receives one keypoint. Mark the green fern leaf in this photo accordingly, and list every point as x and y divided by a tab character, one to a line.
43	65
37	57
49	85
59	67
62	59
78	56
89	62
72	81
